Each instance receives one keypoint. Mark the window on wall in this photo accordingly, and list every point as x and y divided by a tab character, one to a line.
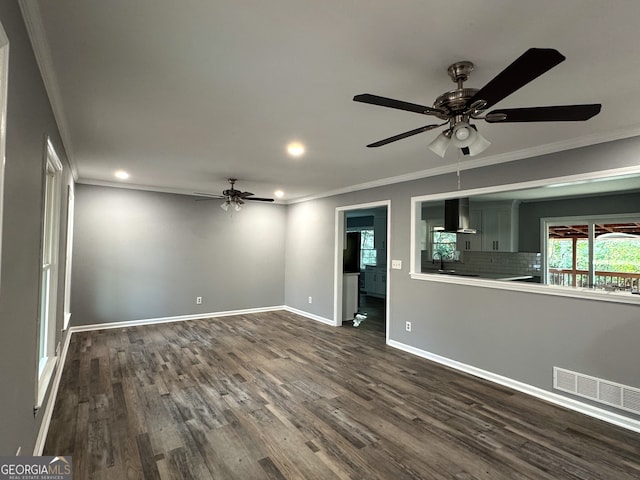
49	271
443	245
367	250
598	252
4	75
439	245
368	254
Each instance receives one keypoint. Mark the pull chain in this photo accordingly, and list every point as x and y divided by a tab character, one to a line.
458	168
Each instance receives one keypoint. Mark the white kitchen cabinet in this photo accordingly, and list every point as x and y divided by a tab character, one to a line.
500	227
375	281
497	228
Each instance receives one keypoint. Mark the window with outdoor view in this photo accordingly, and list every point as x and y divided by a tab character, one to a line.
367	250
602	252
443	245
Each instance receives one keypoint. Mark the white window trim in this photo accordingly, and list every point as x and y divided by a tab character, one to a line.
589	220
4	77
50	245
69	252
574	292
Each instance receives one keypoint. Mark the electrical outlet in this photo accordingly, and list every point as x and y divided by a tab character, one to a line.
198	300
396	264
407	326
310	300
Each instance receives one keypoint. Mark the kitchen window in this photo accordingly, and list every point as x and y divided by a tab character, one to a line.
443	245
367	250
368	253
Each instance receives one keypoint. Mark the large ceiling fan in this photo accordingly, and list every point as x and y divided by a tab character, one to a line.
460	106
235	198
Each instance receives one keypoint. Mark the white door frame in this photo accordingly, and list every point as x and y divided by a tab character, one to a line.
339	247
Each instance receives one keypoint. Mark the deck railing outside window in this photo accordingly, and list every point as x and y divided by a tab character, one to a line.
603	280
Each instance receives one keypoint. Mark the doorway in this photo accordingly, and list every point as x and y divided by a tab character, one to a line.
362	287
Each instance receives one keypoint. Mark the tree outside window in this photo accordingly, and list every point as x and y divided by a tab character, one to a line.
443	245
367	250
601	252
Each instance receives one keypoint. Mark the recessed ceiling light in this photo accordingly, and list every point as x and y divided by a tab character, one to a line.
295	149
121	174
279	193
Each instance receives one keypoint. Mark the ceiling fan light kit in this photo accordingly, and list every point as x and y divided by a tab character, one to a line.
463	136
457	107
231	203
234	198
440	144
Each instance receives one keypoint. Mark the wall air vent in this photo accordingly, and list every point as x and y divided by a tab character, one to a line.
597	389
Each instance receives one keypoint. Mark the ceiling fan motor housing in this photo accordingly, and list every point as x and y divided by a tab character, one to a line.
453	102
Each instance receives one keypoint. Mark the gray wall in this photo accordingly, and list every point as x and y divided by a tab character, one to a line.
29	119
531	213
141	255
515	334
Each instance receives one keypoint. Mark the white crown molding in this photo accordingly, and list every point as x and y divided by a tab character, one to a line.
37	35
42	51
536	151
432	172
150	188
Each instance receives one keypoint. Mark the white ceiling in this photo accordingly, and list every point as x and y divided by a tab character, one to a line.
185	94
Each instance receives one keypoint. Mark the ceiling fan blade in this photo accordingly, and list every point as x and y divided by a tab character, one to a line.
259	199
399	104
210	195
558	113
529	66
403	135
244	194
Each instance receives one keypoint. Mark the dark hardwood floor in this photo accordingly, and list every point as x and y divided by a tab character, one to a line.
277	396
375	308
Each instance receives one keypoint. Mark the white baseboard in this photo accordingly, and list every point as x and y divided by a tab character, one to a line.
48	411
53	394
601	414
560	400
179	318
312	316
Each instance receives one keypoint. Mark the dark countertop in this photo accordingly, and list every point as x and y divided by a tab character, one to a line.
487	275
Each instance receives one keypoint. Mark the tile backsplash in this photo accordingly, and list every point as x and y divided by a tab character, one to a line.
525	263
517	263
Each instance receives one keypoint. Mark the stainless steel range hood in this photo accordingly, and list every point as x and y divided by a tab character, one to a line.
456	216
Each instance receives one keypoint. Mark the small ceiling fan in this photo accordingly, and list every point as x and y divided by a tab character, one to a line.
234	198
458	107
